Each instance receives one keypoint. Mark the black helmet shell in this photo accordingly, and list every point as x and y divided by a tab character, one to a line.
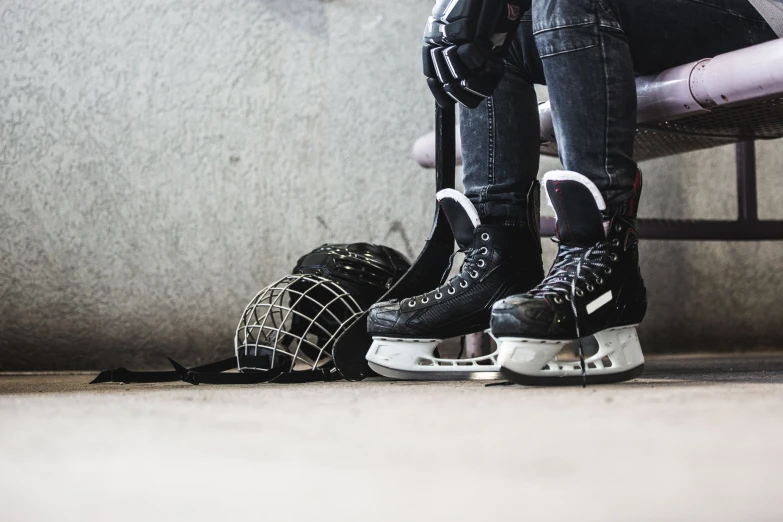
366	270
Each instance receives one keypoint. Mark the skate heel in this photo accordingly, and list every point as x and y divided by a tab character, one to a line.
535	362
413	359
621	347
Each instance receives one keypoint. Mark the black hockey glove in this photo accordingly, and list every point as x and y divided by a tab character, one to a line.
465	42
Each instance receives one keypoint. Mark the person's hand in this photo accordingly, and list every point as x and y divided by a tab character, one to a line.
465	42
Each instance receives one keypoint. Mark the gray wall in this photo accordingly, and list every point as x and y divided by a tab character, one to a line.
161	161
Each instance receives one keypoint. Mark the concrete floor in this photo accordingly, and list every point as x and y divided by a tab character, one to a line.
697	438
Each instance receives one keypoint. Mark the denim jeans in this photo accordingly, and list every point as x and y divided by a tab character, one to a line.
588	52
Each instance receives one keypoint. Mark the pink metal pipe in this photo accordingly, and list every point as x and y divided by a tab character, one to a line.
738	77
424	149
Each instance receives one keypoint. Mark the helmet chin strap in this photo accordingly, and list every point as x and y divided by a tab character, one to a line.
326	373
212	373
126	376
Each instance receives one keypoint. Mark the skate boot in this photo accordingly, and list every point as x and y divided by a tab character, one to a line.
499	261
593	288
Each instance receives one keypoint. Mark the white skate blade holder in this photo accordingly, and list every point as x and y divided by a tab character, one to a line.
535	362
413	359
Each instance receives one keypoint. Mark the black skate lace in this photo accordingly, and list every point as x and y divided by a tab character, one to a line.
576	269
469	265
467	272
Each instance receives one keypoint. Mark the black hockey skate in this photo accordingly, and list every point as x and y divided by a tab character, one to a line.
499	261
593	288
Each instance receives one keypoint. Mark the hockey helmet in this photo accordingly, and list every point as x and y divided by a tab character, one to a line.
366	270
294	322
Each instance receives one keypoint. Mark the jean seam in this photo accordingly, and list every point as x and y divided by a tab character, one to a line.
490	149
603	6
601	23
568	51
564	26
604	65
610	25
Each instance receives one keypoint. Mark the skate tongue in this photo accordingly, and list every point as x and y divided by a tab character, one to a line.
461	214
578	205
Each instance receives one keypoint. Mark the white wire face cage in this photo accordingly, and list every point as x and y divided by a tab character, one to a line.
293	322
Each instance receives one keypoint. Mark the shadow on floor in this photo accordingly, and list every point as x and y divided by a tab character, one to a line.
660	370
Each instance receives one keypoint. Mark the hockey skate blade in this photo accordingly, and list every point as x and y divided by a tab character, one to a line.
413	360
534	362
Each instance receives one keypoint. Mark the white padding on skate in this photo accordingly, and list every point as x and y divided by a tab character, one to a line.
568	175
618	351
463	200
413	359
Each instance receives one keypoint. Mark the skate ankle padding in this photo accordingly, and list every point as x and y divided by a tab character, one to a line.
461	215
578	205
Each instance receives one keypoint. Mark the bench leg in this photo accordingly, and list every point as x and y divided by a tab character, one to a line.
747	199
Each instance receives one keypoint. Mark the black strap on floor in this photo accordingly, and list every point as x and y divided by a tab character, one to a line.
127	376
212	373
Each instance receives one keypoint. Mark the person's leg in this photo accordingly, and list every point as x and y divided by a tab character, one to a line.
591	49
501	138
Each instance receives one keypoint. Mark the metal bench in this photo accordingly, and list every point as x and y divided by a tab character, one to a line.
735	98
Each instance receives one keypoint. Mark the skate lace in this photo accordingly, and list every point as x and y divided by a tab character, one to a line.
468	271
576	269
468	268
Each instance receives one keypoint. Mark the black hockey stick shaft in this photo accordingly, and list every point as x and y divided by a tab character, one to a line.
445	153
426	272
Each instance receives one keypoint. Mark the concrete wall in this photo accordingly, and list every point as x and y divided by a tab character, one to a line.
161	161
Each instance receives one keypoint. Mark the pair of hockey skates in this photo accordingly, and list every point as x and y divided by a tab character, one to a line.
574	326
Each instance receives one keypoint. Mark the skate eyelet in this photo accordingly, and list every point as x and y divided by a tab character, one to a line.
412	303
452	290
463	284
567	297
483	251
599	280
481	263
558	300
613	257
615	242
474	274
590	288
608	270
425	300
579	292
618	227
438	295
485	237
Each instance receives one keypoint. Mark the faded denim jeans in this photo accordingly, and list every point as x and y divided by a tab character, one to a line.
588	52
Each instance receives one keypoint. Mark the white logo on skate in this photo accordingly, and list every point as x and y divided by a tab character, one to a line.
599	302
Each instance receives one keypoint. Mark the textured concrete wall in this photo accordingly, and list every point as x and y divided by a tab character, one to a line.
161	161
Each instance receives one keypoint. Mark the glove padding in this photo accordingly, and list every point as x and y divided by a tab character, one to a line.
465	42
